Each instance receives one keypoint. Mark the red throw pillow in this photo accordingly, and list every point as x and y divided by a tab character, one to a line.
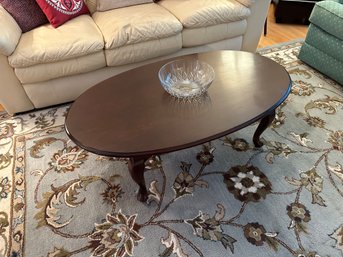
61	11
26	13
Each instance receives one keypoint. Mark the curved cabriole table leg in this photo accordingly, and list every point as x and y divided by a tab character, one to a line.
264	123
136	168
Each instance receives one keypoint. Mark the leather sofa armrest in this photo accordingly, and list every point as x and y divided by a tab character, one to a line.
10	33
13	96
256	20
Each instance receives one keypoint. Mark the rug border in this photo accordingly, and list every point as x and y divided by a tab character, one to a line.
298	40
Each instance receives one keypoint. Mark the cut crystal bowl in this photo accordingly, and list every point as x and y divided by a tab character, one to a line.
186	78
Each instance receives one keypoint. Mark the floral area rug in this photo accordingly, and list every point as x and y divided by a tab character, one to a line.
224	198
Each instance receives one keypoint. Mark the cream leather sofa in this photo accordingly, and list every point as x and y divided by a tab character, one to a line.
48	66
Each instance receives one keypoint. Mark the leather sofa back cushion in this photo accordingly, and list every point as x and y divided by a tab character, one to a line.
26	13
105	5
247	3
59	12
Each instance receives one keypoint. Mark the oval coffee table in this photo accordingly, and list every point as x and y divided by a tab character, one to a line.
130	115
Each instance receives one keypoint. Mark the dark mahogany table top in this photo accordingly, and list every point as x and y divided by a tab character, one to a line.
131	115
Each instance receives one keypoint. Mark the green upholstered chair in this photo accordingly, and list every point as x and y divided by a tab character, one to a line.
323	46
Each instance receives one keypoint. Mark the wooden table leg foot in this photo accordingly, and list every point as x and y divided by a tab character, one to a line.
264	123
136	168
142	194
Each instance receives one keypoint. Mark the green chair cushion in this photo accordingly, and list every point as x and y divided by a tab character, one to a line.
328	15
325	42
322	62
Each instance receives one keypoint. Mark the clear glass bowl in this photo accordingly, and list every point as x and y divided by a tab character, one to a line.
186	78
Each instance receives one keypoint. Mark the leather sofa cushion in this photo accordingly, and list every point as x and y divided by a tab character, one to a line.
91	5
203	13
45	44
135	24
105	5
247	3
63	68
142	51
206	35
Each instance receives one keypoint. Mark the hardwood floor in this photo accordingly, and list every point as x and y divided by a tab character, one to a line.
276	33
279	32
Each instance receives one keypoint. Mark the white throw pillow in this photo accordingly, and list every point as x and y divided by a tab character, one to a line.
105	5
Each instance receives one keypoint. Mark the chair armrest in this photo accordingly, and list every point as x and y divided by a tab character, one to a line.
10	33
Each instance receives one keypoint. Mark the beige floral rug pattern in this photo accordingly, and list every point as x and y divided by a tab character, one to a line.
224	198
